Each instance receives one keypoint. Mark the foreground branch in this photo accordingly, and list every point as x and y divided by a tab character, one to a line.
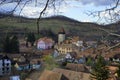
110	33
46	5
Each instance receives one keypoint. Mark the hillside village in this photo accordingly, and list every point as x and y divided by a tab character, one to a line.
70	58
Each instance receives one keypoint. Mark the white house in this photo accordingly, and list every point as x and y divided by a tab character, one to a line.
5	65
78	43
55	53
15	78
45	43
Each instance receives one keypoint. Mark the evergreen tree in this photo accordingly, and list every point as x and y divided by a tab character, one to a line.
99	69
14	44
6	44
11	44
31	38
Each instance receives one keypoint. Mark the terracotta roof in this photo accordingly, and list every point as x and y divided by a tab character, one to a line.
22	63
77	67
112	68
14	55
75	39
117	56
73	54
50	75
87	52
66	45
72	75
47	52
46	40
35	61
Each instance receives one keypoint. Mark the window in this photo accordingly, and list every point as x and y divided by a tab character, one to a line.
3	72
7	69
3	69
7	64
3	63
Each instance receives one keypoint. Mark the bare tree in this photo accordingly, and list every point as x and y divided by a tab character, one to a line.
113	15
113	11
110	15
42	3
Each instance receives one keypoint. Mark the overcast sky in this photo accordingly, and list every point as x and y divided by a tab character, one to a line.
76	9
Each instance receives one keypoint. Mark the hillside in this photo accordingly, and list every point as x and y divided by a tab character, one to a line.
72	27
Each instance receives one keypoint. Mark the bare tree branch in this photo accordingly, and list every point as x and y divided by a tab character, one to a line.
15	7
110	33
24	6
113	12
46	5
2	2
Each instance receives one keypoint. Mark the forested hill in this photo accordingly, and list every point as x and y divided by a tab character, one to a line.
72	27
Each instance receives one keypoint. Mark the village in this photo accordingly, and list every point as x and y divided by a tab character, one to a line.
70	58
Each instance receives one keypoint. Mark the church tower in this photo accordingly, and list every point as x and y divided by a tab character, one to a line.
61	35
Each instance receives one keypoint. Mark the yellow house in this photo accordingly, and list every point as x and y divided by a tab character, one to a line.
65	48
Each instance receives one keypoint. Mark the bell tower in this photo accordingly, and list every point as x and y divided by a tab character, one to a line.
61	35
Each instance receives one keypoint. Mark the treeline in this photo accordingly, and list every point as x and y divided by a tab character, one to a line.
10	44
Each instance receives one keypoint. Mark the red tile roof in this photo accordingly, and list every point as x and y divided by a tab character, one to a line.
50	75
46	40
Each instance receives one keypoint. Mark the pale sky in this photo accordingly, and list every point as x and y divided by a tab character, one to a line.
76	9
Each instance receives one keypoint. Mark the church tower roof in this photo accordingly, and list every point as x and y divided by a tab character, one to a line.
61	31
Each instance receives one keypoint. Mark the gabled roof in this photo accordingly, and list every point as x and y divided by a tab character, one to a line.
1	56
11	56
46	40
73	54
117	56
73	75
50	75
77	67
5	57
23	63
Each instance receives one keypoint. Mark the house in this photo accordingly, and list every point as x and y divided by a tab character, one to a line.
35	64
91	43
5	65
14	57
45	43
21	66
116	58
51	75
30	62
77	41
72	75
55	53
14	77
71	57
65	48
82	60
